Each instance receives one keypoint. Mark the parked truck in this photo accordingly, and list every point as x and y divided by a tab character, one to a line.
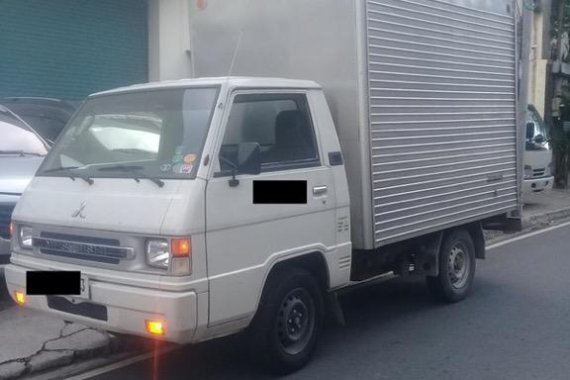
538	173
239	201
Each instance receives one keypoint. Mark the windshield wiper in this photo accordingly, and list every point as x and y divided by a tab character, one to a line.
135	170
21	153
70	174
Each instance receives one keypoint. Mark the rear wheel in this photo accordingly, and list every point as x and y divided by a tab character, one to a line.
284	332
456	268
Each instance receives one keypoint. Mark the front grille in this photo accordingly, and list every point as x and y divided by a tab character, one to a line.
101	250
5	217
538	172
85	309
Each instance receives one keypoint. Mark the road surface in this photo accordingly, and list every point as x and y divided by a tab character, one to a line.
514	326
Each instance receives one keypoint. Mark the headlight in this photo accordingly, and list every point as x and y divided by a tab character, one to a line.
528	171
550	169
174	254
25	237
158	253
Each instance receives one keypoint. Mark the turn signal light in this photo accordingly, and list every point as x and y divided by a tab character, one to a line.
180	247
154	327
20	297
11	229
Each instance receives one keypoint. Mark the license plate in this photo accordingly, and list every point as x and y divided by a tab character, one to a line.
54	283
84	288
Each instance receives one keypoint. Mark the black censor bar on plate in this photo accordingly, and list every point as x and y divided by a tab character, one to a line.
279	192
53	283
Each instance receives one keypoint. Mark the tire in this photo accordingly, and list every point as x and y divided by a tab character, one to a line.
283	334
456	268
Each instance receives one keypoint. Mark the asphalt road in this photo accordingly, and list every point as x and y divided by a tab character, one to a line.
514	326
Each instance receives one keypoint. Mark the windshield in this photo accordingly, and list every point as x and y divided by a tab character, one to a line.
16	137
160	132
537	135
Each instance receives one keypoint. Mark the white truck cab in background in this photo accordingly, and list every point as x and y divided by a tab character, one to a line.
538	174
199	208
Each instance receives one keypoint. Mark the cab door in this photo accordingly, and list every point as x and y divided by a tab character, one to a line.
257	222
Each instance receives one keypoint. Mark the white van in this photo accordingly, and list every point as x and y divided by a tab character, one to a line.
199	208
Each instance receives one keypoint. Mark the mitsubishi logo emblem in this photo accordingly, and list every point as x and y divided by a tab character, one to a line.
79	212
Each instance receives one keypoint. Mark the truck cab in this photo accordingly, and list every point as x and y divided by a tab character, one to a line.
538	176
160	195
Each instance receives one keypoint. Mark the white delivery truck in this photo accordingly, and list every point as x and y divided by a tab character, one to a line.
538	174
198	208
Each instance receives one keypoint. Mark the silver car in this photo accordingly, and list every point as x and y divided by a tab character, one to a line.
21	153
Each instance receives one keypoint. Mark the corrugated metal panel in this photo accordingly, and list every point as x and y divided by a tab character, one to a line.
442	84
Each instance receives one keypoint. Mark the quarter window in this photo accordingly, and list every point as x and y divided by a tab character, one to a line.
282	126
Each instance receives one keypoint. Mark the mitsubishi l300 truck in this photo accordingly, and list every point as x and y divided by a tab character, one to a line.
193	209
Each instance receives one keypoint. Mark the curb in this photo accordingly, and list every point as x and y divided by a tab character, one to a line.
124	347
531	224
548	219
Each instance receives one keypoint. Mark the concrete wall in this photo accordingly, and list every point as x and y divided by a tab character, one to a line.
169	39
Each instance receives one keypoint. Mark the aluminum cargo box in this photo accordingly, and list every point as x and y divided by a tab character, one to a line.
423	94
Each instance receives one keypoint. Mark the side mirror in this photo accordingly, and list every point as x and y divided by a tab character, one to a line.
529	130
249	158
539	139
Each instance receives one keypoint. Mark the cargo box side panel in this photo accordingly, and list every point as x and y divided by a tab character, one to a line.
442	86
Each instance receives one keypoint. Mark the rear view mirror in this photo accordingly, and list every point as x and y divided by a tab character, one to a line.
539	139
249	158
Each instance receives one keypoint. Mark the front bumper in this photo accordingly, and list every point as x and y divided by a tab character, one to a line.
127	307
537	185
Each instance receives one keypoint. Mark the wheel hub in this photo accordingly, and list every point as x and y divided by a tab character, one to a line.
458	266
295	322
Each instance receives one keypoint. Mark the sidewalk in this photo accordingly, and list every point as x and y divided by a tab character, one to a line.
32	342
539	211
544	210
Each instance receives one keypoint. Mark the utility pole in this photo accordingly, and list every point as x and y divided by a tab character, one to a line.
554	96
558	79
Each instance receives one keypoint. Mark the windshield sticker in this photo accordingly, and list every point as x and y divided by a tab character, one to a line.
186	169
177	158
189	158
165	167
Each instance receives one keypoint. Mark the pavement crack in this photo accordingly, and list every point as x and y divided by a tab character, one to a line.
26	360
60	335
19	360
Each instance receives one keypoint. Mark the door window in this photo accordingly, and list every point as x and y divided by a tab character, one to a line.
280	124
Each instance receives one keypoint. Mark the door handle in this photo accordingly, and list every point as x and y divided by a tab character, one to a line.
319	190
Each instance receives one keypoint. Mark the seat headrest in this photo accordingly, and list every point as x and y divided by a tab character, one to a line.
289	128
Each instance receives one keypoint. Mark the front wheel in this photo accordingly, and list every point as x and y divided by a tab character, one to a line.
284	332
456	268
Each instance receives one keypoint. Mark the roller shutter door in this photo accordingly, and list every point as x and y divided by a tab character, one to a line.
442	84
71	48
